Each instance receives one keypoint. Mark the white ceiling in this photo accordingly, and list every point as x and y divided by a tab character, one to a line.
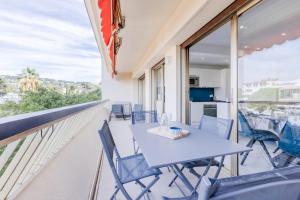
144	18
213	50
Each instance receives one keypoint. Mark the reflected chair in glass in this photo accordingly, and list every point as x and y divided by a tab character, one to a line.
255	136
117	110
126	169
289	144
142	117
213	125
277	184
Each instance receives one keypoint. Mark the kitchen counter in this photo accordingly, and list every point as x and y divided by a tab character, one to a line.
197	110
214	101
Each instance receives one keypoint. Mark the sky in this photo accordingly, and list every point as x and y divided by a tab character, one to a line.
281	61
53	36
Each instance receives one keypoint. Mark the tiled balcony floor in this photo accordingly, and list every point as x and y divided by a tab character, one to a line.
257	160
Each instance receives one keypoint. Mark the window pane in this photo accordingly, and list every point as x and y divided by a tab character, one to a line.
269	83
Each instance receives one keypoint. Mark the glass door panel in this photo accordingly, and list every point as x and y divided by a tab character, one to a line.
141	91
158	89
269	84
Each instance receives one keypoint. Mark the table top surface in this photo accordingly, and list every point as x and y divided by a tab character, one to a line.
160	151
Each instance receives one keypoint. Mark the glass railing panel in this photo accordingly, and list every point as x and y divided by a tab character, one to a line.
23	158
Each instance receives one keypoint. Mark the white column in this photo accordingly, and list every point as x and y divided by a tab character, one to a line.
148	89
173	82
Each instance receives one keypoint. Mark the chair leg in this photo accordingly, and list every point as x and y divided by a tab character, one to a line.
135	149
142	185
284	160
246	155
168	169
267	152
176	176
277	149
147	188
247	145
192	171
114	194
124	192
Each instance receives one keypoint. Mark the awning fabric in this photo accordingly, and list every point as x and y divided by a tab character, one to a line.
107	28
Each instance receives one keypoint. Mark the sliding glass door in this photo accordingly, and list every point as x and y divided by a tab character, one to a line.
264	86
141	91
158	88
269	85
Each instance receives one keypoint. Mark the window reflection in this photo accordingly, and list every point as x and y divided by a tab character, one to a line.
269	85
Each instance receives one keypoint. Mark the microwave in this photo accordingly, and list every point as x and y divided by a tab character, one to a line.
194	81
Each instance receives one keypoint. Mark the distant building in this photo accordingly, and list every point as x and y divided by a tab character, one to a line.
14	97
285	91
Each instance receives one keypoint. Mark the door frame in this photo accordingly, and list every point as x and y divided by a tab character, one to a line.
142	78
157	66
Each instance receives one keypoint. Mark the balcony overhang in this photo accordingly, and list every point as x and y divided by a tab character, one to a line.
151	28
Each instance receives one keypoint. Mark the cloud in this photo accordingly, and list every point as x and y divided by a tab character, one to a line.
52	36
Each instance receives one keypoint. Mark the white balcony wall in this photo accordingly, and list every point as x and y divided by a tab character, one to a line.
119	88
172	82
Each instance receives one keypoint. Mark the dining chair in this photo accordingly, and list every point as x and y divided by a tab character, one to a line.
142	117
289	144
220	127
255	136
277	184
126	169
117	110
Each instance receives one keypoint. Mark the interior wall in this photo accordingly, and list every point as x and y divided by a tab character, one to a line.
223	92
216	78
207	77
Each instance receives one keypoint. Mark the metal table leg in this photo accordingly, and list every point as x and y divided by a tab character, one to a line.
183	178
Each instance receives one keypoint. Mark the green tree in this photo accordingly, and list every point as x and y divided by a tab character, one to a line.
46	98
29	80
41	99
3	86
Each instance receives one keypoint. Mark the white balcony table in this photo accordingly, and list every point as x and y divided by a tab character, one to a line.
161	152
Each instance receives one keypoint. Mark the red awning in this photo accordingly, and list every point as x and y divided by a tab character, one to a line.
107	29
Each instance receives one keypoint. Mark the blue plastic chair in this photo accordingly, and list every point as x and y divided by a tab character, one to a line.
289	143
142	117
255	135
276	185
117	110
126	169
219	126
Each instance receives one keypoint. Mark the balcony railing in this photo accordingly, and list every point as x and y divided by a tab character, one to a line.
29	141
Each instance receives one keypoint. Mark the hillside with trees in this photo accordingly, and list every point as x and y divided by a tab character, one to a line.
36	94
